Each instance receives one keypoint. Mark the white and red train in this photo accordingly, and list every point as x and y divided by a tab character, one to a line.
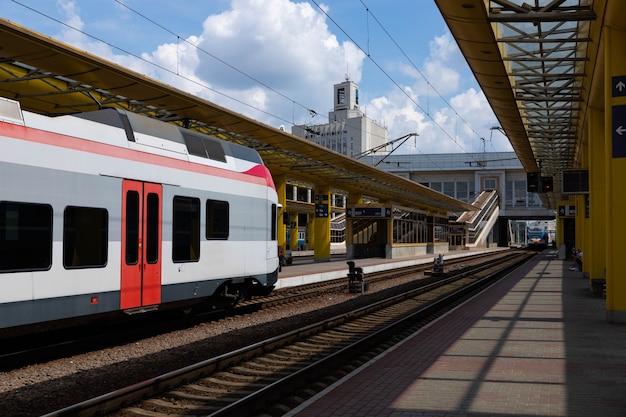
109	211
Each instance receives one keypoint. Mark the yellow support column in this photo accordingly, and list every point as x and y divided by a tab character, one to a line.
389	236
583	224
354	199
293	232
595	251
615	164
311	231
322	223
582	234
564	215
281	189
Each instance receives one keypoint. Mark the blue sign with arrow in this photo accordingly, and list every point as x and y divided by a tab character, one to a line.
619	131
618	85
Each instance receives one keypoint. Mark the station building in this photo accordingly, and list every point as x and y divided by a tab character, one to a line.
348	131
461	176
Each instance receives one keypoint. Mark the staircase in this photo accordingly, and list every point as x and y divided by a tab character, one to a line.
481	220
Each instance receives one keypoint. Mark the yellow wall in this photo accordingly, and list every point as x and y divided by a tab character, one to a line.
615	171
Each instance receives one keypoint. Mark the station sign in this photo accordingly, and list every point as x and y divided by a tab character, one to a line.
321	210
618	86
360	212
618	130
567	210
575	181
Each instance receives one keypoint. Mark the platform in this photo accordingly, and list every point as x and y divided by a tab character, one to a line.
535	344
307	272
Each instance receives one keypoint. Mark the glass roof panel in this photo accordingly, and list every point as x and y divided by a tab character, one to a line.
544	44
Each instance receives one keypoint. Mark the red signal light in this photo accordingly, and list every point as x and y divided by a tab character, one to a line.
546	184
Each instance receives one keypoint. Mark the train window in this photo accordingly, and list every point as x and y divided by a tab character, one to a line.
214	149
217	219
132	227
243	152
152	229
194	144
186	234
25	236
274	221
203	146
85	237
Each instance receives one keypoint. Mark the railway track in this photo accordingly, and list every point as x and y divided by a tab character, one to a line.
48	346
269	377
298	293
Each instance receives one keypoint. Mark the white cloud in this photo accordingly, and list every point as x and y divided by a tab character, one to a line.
263	58
448	118
268	58
441	66
283	45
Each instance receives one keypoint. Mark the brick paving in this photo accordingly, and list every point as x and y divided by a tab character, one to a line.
535	344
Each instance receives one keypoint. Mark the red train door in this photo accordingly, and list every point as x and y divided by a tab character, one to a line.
141	244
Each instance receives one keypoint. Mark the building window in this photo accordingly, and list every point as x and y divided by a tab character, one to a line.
437	186
441	229
519	193
489	184
448	189
409	227
462	191
341	95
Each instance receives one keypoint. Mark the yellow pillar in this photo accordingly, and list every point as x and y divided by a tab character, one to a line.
322	222
293	231
561	219
594	252
280	181
354	199
615	165
389	237
311	230
581	229
560	235
583	223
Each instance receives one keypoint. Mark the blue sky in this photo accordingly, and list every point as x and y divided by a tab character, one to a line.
273	60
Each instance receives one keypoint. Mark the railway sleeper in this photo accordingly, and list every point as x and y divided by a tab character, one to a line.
276	360
167	406
232	376
209	397
216	382
255	371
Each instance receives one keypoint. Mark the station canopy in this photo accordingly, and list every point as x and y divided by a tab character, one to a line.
52	78
539	64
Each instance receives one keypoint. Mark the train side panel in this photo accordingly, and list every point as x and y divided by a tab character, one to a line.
62	285
70	190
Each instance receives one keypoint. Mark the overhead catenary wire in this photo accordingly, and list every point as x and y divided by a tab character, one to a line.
382	70
168	70
177	71
429	84
295	103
